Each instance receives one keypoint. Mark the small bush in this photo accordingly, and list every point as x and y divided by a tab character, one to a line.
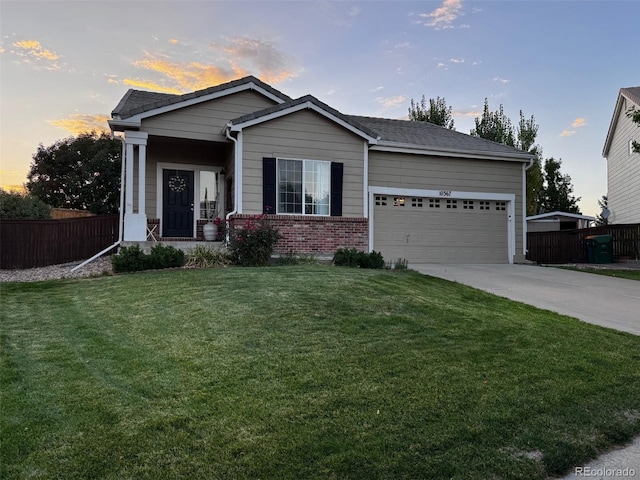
206	257
133	259
347	257
129	259
292	259
401	264
165	257
252	244
351	257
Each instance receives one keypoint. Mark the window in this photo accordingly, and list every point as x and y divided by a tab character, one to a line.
208	194
398	201
434	203
416	202
501	206
484	205
452	204
467	204
382	201
303	187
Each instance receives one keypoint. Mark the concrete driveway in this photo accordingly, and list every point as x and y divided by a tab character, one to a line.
598	299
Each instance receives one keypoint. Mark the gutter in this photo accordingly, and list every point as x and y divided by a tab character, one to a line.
121	216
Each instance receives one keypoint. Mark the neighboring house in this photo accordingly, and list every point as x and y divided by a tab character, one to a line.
623	165
325	179
556	221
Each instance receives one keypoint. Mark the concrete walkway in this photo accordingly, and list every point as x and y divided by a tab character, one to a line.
598	299
601	300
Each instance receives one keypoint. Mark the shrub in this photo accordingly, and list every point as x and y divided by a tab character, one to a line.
15	205
165	257
129	259
133	259
351	257
252	244
347	257
206	257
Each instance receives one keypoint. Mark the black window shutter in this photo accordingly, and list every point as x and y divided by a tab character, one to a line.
336	189
269	188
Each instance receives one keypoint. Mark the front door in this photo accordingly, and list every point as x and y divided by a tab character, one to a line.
177	208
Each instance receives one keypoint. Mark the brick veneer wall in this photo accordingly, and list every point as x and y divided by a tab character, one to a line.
315	235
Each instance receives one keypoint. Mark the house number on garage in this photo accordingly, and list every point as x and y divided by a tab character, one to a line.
445	193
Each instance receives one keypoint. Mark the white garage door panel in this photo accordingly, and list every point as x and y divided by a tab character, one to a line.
441	235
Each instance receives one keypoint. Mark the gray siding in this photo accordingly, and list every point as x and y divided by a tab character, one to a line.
205	121
303	135
623	172
457	174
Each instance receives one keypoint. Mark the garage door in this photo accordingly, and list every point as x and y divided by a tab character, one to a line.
437	230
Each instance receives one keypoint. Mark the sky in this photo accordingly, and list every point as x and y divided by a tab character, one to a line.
65	65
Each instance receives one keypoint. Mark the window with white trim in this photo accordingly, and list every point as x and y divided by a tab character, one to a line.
304	186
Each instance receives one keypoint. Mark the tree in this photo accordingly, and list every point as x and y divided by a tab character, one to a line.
494	126
438	113
557	189
634	114
81	172
602	220
15	205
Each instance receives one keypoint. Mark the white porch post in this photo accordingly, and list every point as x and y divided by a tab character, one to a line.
135	223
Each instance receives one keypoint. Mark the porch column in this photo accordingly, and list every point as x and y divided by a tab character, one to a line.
135	223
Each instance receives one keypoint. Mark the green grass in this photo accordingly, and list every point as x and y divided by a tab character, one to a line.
628	274
302	372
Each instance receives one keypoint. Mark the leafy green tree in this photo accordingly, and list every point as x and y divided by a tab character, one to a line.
634	114
494	126
81	172
557	189
603	203
15	205
437	113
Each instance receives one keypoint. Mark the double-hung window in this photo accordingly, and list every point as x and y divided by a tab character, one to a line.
304	187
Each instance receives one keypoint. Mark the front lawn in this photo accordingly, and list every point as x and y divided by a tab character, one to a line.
300	373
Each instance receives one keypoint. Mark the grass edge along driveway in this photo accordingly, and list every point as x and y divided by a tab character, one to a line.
302	372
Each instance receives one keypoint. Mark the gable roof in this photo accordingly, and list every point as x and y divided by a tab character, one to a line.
632	94
382	133
397	135
136	102
305	102
557	215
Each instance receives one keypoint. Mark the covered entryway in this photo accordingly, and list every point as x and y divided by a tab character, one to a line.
441	230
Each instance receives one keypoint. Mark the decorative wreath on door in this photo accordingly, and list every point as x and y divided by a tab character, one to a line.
177	184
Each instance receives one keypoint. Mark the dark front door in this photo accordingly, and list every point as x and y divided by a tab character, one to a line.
177	208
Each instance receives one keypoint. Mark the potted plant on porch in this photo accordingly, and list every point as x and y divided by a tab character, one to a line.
209	229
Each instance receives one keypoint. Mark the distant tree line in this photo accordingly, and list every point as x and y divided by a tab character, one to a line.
548	189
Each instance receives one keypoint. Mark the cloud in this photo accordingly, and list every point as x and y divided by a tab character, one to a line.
501	80
567	133
457	60
79	123
579	122
224	61
389	102
32	52
443	16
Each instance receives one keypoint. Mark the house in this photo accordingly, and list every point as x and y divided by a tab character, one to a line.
556	221
623	165
325	179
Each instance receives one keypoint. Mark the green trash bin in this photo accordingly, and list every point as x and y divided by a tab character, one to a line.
590	245
602	249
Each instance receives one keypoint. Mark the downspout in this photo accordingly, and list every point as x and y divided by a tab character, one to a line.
121	213
235	183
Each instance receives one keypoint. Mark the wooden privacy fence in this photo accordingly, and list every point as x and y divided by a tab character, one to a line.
570	246
38	243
